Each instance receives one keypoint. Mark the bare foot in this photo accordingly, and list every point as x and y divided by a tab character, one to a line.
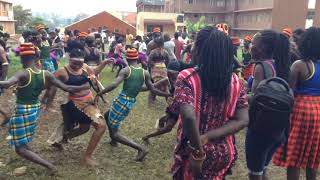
113	143
89	162
146	140
141	155
58	146
53	171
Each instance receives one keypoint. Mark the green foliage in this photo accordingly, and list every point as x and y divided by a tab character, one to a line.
22	17
194	27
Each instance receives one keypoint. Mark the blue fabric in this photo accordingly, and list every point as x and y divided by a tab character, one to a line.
48	65
23	124
120	108
311	86
259	150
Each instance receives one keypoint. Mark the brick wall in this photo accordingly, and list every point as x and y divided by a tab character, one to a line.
103	19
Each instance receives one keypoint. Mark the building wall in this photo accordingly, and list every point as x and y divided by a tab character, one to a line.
8	27
253	4
150	8
293	17
316	19
199	6
167	20
103	19
6	17
254	19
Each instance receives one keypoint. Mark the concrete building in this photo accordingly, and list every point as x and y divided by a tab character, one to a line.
167	22
6	17
103	19
150	5
248	16
152	13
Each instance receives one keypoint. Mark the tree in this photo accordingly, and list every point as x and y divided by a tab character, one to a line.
194	27
22	17
80	16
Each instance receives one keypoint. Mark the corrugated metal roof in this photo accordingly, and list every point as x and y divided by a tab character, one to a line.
151	2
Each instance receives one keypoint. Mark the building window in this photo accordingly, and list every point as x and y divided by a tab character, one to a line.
312	4
196	15
116	30
190	1
310	15
150	27
211	2
180	19
220	3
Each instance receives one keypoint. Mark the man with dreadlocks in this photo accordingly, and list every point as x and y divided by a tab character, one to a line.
212	104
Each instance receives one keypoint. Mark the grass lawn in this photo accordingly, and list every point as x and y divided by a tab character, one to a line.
115	163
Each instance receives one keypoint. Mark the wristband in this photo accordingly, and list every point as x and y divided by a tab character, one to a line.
5	64
196	154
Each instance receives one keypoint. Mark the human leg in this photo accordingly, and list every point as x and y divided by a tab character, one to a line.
166	129
293	173
142	152
26	153
100	128
112	142
311	174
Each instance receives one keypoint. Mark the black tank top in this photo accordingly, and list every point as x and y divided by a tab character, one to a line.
76	80
92	57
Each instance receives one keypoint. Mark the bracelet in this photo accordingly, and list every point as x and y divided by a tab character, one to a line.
196	154
204	156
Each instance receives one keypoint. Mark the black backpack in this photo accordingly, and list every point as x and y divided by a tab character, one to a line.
271	106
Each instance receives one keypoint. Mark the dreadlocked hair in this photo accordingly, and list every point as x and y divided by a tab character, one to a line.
76	49
309	44
276	46
214	53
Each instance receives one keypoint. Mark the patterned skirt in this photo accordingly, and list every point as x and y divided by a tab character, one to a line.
48	65
23	124
120	109
248	71
303	146
158	72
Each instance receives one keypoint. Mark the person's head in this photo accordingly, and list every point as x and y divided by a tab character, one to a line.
68	32
184	36
236	43
247	41
156	32
132	56
90	41
159	41
100	29
76	32
42	31
269	44
76	55
309	43
28	54
52	35
119	40
188	49
6	37
93	30
166	37
176	35
213	54
89	30
139	38
128	31
297	34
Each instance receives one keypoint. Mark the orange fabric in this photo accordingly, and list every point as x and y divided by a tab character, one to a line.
89	96
235	40
83	34
27	49
39	27
287	32
156	30
132	54
248	38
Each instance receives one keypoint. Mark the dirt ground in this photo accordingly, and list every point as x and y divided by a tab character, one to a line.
115	163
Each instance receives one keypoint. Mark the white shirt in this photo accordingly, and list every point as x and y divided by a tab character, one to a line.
143	47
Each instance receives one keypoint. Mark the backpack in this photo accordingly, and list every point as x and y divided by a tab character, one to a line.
271	106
